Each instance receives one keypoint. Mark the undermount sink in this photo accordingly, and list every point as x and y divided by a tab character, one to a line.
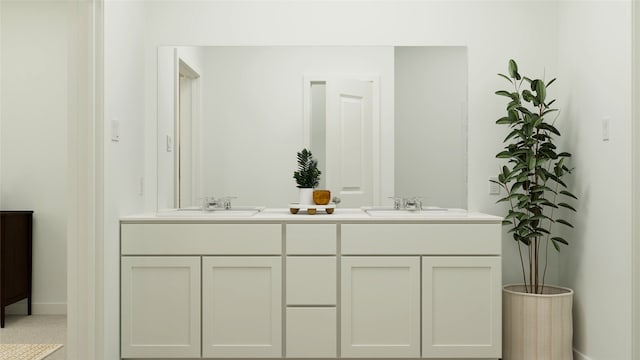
238	211
391	212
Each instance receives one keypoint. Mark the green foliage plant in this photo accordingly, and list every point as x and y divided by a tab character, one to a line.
307	175
533	176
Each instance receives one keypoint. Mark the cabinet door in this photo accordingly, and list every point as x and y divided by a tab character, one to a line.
380	307
461	309
242	306
160	307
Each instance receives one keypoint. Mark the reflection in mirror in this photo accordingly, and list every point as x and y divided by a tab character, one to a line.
348	111
431	125
187	124
381	120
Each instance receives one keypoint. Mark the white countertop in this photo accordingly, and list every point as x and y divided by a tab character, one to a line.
276	215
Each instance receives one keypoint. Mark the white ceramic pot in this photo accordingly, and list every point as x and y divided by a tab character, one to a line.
537	326
306	196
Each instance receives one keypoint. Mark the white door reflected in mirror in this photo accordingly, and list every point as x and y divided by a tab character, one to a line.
342	127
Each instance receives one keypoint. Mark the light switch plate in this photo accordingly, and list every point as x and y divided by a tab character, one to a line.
115	130
169	143
606	128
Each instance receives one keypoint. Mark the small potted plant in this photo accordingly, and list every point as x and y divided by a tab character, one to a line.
307	176
533	181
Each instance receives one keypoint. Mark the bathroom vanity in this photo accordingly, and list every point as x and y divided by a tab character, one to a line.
277	285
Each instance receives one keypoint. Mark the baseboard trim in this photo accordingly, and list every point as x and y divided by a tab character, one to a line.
20	308
577	355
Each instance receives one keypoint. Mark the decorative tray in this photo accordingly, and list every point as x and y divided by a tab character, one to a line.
311	209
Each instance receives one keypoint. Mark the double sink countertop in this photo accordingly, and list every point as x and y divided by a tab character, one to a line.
340	215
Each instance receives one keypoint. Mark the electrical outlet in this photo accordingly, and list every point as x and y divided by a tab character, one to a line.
494	189
115	130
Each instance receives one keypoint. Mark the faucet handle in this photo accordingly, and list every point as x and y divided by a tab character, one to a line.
226	201
336	200
414	203
398	202
208	202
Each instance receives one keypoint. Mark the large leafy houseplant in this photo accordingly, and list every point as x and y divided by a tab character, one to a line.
533	177
308	174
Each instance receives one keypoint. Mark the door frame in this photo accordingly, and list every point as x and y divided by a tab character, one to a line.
182	67
85	188
635	177
374	79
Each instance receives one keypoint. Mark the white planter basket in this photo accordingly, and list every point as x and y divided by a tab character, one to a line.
537	326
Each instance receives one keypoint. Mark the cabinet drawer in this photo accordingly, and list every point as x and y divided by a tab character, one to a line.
311	333
311	280
421	239
311	239
201	239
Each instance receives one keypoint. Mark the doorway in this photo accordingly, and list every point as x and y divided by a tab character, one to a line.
187	128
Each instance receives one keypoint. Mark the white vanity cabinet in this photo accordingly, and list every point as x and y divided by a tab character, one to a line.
241	306
381	307
446	277
461	309
311	287
201	290
160	306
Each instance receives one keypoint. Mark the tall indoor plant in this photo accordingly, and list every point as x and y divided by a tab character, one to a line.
307	176
534	181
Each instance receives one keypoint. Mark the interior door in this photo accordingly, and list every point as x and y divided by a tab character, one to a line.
349	141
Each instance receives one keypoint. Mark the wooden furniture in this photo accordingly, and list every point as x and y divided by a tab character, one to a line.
15	259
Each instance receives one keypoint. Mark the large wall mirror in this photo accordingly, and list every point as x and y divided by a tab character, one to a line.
383	121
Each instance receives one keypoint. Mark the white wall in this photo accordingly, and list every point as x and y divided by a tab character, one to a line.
124	162
491	30
594	81
33	137
431	125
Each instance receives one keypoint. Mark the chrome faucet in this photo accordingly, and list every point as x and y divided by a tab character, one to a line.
412	203
211	203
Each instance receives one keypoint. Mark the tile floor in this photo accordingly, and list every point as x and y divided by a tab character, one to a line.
36	329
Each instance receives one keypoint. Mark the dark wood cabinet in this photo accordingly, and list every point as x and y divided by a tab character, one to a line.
16	229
